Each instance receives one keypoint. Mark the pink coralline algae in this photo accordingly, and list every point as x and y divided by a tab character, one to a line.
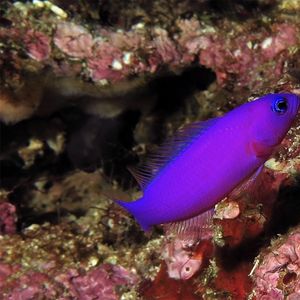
37	45
106	62
247	55
98	283
277	276
191	38
244	56
5	271
283	36
8	218
32	285
164	49
73	40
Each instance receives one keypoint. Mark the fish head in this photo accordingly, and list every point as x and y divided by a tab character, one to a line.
272	115
182	263
189	268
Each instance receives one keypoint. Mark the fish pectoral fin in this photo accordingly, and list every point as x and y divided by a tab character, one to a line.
193	229
261	149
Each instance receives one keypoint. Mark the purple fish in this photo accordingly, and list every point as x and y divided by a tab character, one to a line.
205	161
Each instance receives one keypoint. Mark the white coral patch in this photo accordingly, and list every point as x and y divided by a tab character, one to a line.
116	65
266	43
127	58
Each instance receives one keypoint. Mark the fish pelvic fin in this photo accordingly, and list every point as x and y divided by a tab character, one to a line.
132	208
193	229
249	185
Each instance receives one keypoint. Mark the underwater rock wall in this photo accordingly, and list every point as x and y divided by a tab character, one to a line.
89	88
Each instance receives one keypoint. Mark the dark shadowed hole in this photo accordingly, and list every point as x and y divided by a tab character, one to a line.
92	142
286	214
241	9
289	277
286	211
96	142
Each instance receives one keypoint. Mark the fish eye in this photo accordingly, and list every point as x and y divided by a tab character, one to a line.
280	105
186	272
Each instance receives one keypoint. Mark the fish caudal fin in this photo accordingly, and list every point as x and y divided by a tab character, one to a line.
131	207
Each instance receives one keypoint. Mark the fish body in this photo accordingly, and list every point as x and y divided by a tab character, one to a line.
214	158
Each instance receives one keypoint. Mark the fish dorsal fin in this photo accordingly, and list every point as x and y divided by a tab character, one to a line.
169	150
193	229
139	175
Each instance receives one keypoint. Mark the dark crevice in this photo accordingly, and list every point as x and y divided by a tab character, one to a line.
93	142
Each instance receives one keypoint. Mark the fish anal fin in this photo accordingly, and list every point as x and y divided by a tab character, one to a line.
193	229
168	150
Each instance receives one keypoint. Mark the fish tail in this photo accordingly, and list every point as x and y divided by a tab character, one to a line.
131	207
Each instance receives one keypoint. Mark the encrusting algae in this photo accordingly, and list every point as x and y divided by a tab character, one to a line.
89	89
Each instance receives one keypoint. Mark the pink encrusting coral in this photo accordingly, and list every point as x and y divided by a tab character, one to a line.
164	50
282	36
37	45
246	54
99	283
8	218
74	40
106	62
278	273
71	242
6	270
